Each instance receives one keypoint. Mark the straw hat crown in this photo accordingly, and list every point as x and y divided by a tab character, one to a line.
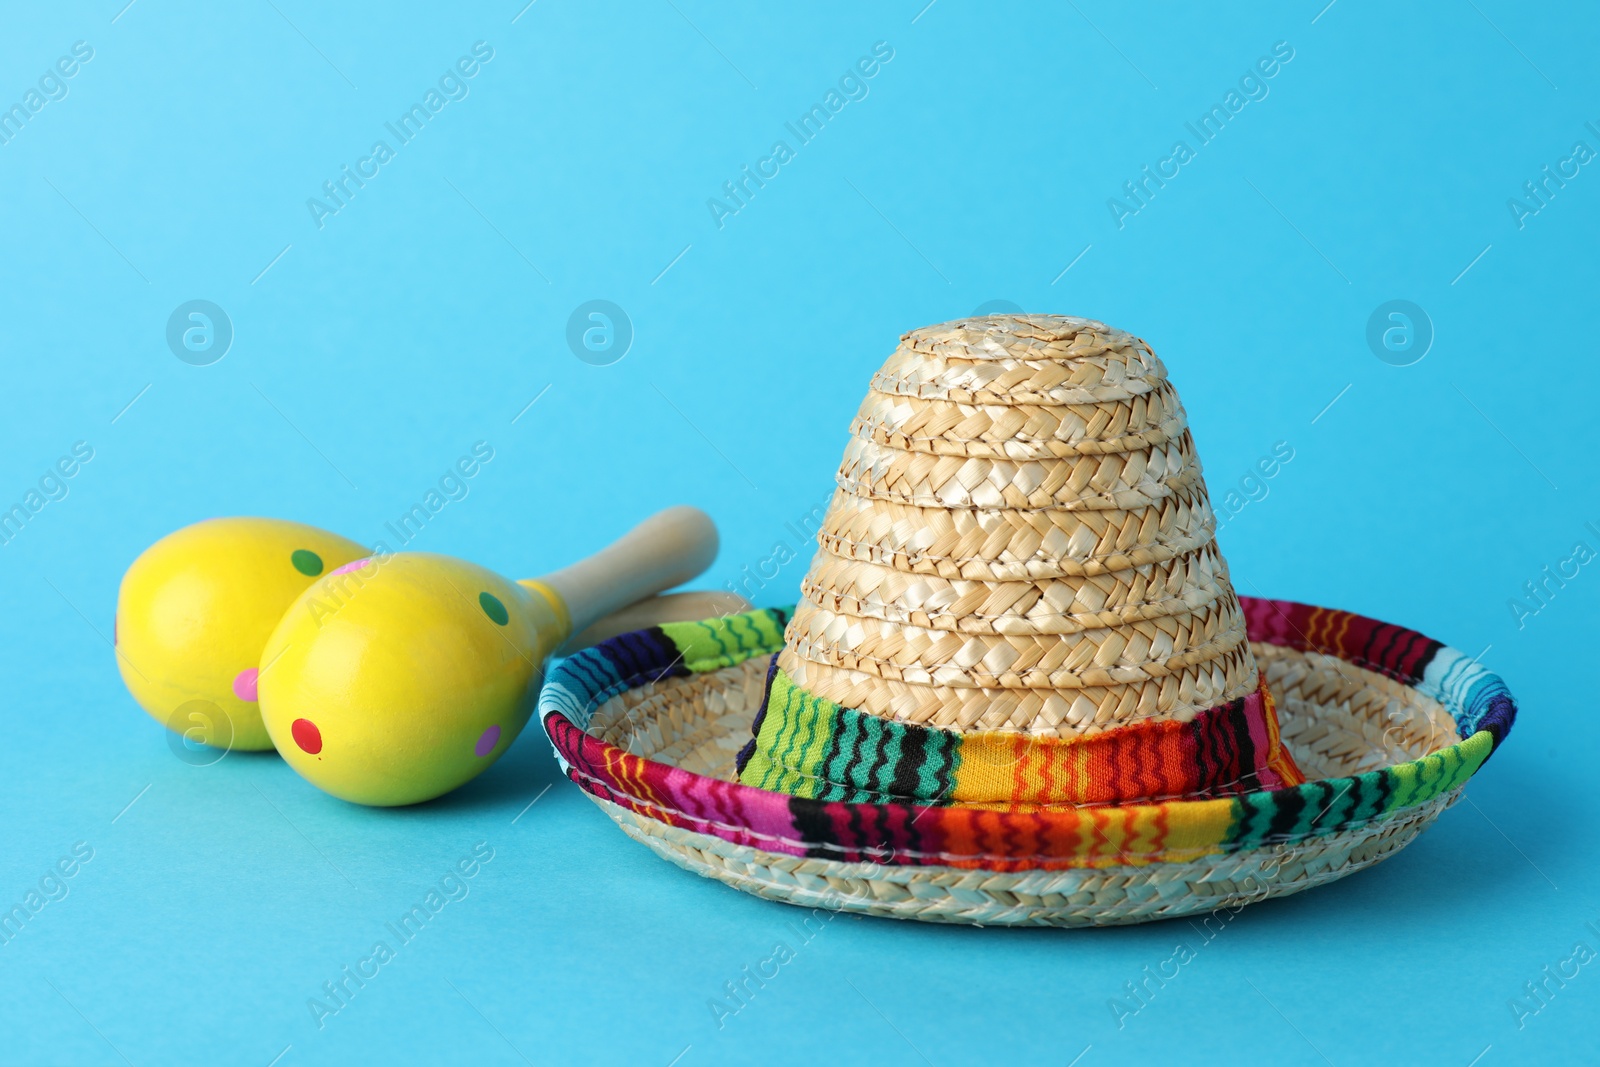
1021	541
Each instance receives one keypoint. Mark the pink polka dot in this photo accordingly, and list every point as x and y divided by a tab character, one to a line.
354	566
486	743
244	684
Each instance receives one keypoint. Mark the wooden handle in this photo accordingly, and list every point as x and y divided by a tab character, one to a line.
667	549
687	606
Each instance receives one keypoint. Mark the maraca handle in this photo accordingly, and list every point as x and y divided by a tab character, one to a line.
687	606
667	549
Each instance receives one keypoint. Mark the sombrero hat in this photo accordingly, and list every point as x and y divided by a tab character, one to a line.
1020	687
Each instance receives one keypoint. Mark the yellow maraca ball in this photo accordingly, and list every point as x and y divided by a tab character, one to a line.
446	689
196	608
404	676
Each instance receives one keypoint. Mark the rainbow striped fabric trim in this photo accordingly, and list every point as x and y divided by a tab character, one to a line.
811	747
1024	836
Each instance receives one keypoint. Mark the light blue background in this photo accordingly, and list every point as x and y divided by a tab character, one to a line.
416	322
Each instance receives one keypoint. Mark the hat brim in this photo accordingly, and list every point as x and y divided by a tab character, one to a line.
1387	724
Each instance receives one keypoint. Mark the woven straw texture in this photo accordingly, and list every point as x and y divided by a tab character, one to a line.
1338	719
1021	541
1113	896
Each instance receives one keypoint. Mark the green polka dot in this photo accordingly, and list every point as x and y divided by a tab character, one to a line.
306	562
493	608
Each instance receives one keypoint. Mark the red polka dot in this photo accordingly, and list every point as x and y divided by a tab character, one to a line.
307	736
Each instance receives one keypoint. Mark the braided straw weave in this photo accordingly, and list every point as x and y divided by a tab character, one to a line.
1021	541
1337	718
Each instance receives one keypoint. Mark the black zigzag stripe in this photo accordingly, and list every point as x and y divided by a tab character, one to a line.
1321	806
1286	811
856	771
906	771
1224	746
857	831
837	728
1207	766
1202	754
1244	767
885	835
842	743
881	777
1371	795
811	822
1251	815
1343	810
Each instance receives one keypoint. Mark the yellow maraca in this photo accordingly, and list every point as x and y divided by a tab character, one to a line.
403	677
195	609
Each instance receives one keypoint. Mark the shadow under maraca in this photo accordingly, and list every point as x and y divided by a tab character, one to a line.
193	754
525	771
